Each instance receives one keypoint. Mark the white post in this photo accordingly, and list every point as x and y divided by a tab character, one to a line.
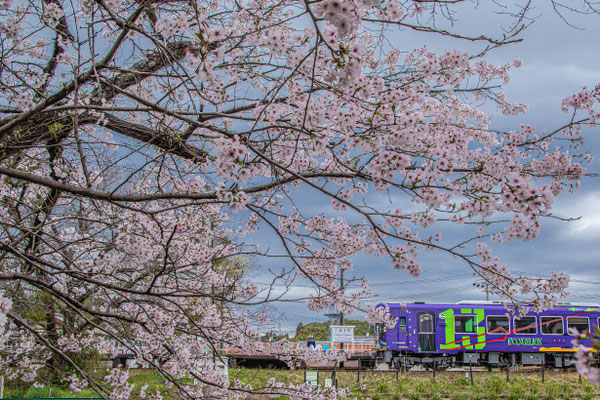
1	386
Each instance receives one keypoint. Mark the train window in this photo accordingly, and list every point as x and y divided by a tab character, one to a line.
525	326
465	324
552	326
582	324
425	323
401	324
497	325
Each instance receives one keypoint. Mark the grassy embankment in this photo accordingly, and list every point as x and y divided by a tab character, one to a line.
383	386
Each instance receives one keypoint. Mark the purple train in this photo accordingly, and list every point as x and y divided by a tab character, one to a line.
480	332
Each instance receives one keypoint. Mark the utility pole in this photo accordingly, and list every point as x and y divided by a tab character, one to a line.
341	313
487	291
342	289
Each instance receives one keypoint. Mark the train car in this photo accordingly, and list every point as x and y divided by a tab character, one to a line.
481	332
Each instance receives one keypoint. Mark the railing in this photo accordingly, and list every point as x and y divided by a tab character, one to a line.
351	347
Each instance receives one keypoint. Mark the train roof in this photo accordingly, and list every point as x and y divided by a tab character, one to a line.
493	303
501	303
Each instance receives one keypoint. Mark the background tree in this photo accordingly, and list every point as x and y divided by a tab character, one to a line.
200	110
320	330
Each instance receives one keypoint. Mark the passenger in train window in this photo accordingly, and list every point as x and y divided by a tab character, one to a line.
582	324
552	326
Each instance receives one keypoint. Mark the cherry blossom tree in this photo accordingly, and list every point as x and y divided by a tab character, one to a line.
144	145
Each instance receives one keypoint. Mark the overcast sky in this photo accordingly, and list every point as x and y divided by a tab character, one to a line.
558	60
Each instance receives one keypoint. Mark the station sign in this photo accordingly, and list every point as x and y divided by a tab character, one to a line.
341	334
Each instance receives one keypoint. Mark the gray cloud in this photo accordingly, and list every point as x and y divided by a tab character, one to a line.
557	61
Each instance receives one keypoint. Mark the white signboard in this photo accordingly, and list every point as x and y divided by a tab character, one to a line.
341	334
311	377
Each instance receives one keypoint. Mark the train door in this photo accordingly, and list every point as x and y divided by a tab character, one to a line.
402	332
426	332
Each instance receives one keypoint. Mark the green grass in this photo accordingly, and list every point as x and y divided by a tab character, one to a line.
138	377
447	385
37	393
379	385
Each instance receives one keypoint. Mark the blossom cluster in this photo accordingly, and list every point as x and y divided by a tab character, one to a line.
584	100
585	356
53	13
381	315
343	15
170	26
11	27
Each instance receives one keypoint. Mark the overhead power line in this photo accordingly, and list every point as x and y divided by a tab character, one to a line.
544	276
409	281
